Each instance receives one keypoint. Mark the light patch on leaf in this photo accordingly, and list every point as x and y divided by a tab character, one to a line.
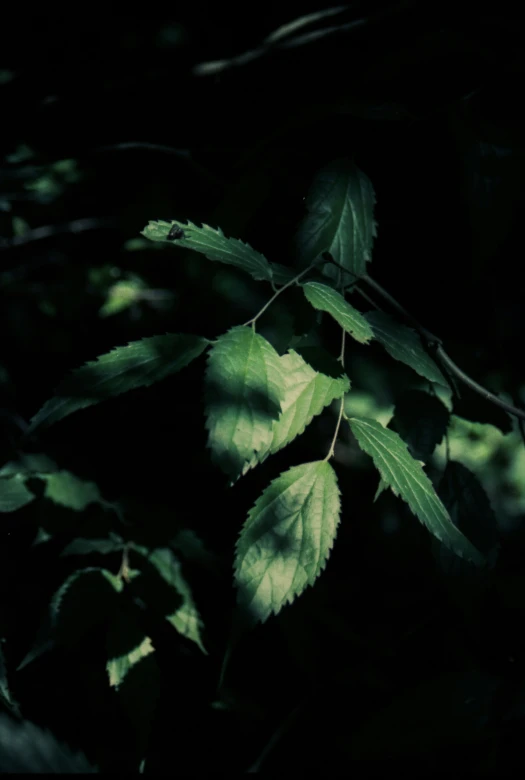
118	668
306	394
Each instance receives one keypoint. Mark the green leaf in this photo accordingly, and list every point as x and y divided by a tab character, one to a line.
244	388
139	364
90	546
28	749
287	538
185	619
421	420
405	475
118	667
404	344
327	299
13	493
340	220
306	393
214	245
66	489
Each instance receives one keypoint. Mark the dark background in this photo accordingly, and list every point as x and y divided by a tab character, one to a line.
385	659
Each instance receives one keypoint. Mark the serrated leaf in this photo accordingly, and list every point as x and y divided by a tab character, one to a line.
28	749
281	274
306	393
340	220
185	619
327	299
403	344
13	493
214	245
421	420
407	479
244	387
287	538
139	364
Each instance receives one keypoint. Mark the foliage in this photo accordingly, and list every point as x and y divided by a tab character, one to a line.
234	396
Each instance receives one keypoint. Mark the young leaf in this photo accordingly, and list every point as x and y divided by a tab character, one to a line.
139	364
286	540
421	420
306	393
404	344
13	493
340	219
185	619
214	245
244	388
28	749
405	475
327	299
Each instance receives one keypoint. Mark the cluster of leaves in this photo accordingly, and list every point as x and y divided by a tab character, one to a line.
257	402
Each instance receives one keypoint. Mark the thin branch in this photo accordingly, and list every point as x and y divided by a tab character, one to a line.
435	345
75	226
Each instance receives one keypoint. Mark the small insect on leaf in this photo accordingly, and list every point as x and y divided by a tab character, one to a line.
175	232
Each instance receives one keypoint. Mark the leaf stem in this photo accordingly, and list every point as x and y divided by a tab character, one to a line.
253	320
341	359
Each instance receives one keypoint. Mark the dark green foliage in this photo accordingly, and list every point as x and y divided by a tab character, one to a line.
196	577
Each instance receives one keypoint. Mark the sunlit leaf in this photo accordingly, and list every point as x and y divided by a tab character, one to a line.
185	618
340	220
306	394
327	299
403	344
287	538
244	389
139	364
214	245
407	479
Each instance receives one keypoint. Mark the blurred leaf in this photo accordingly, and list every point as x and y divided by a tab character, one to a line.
185	619
469	509
139	364
28	749
13	493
